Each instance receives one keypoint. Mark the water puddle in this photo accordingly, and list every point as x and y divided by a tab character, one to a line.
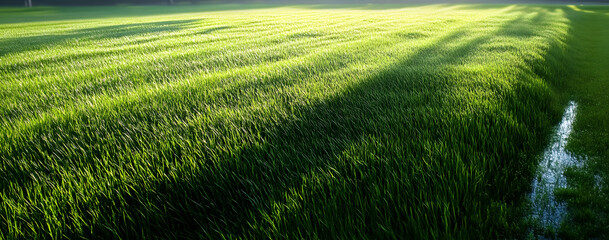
547	213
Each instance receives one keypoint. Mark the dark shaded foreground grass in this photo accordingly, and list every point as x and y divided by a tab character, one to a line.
418	122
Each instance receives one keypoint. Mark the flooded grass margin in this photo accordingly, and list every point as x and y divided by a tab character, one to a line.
547	212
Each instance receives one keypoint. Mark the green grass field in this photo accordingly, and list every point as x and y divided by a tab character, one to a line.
262	121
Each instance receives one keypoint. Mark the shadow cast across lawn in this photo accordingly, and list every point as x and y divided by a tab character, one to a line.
587	186
13	15
22	44
37	15
397	155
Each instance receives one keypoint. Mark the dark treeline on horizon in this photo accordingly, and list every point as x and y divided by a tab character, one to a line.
168	2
